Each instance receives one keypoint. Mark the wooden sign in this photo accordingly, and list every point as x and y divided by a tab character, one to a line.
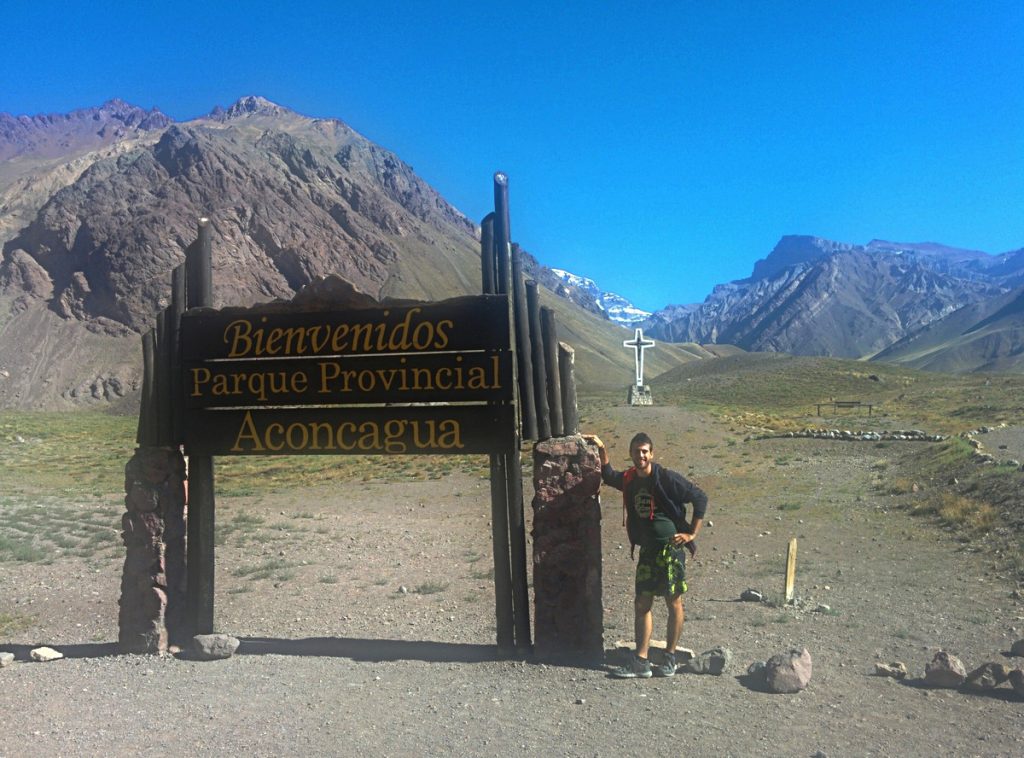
429	378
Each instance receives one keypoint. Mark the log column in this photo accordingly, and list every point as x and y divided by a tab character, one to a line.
567	550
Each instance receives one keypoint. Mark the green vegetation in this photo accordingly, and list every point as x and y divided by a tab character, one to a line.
781	392
275	568
431	588
67	454
10	623
39	531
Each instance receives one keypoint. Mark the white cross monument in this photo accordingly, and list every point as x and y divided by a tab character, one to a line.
638	393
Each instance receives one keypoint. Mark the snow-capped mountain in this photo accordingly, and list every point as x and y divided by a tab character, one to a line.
616	307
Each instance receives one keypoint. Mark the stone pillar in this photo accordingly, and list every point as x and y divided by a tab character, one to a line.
567	550
153	529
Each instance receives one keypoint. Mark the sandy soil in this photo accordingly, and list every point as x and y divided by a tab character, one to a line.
337	660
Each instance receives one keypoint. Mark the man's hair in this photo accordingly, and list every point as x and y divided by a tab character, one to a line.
640	438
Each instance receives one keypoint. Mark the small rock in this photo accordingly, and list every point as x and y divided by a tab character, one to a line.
581	701
684	655
987	676
896	669
214	647
788	672
6	659
945	670
756	670
822	608
713	661
1017	648
403	590
44	654
751	596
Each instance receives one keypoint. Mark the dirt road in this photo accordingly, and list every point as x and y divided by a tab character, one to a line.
337	660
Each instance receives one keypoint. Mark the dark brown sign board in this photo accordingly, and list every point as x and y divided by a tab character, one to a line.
393	430
439	378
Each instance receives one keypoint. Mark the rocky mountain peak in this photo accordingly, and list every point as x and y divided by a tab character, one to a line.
251	105
794	249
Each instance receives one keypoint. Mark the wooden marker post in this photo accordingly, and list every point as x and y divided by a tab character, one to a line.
201	502
790	570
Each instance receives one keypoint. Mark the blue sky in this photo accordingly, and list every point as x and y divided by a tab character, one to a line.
657	147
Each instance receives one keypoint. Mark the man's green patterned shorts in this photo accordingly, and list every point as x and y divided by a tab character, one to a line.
661	571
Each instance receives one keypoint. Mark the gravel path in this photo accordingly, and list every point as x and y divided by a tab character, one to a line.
336	661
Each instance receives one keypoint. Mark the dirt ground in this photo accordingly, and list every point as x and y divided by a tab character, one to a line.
337	659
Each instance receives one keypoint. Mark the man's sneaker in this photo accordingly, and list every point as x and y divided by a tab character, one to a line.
637	668
667	667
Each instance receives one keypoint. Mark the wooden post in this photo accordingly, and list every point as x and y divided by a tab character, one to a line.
523	349
790	570
502	240
517	541
567	377
177	381
145	436
503	604
201	503
162	388
487	262
540	389
548	329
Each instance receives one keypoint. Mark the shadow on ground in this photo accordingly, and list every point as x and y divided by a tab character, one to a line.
372	650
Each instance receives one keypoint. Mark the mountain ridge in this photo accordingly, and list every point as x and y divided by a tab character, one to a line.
88	237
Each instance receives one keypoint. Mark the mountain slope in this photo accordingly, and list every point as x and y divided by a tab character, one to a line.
817	297
986	336
89	238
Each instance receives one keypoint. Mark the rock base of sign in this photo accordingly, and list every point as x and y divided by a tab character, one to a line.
639	396
153	529
567	550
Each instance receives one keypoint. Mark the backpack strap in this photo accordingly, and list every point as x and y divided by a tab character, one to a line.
627	476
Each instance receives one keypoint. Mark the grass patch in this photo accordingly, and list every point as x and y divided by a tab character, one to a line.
790	506
430	588
277	568
482	575
11	623
958	511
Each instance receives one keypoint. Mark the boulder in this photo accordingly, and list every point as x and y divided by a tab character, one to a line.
214	647
945	670
713	661
1017	648
1017	681
896	670
788	672
6	659
987	676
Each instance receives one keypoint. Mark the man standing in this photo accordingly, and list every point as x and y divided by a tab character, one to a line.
655	517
